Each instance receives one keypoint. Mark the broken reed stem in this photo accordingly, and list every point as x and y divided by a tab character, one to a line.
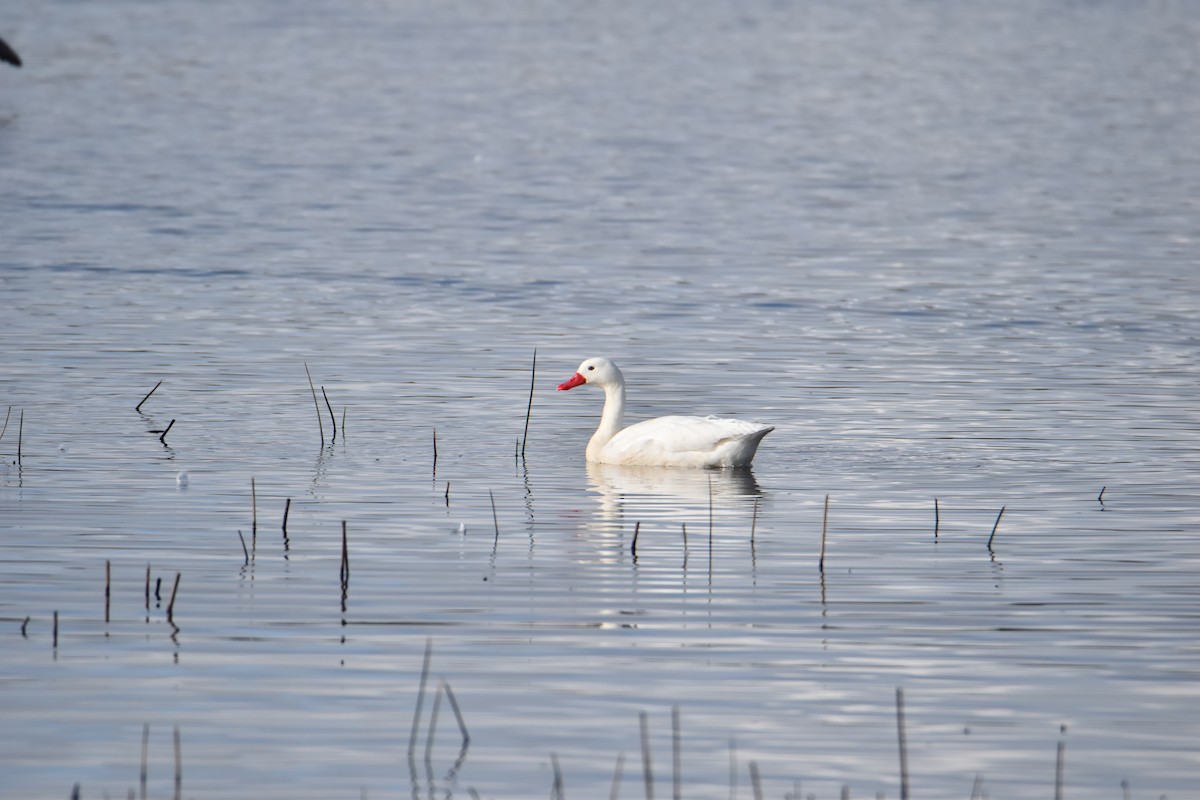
824	529
412	737
1099	497
937	518
138	407
171	602
676	756
245	552
55	630
6	416
107	588
462	725
147	589
316	405
637	526
332	419
287	506
647	772
995	525
529	408
163	436
615	790
495	519
903	743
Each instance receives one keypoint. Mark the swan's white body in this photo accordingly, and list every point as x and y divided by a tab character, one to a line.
665	441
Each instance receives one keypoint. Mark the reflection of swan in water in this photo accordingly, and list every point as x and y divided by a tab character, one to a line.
664	494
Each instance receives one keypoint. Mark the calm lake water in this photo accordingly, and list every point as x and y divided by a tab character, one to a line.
948	249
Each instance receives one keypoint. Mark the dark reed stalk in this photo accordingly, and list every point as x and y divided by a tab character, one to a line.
55	630
138	407
684	524
900	734
637	526
171	602
495	519
147	589
447	494
345	556
287	506
316	405
245	552
178	765
614	791
162	437
107	588
6	416
435	454
24	625
647	772
145	755
158	590
1058	769
824	529
343	422
75	791
529	408
253	509
676	756
995	525
755	781
21	435
937	518
332	419
412	736
462	725
556	791
1099	497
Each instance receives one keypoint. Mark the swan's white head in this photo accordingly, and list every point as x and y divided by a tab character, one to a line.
597	371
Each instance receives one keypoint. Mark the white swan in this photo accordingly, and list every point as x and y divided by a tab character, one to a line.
665	441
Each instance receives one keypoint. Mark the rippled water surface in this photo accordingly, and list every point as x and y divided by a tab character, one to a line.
947	249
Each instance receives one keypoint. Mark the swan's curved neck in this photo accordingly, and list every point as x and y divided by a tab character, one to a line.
611	419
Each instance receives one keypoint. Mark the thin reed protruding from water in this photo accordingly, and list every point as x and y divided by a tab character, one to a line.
138	407
245	552
147	590
345	557
287	506
21	435
637	526
447	494
6	416
647	771
253	509
332	419
756	781
416	724
145	758
614	791
316	405
556	791
24	625
435	456
1100	497
529	408
995	525
107	588
162	437
937	518
1059	764
903	740
824	530
495	519
676	756
55	634
171	603
462	724
178	764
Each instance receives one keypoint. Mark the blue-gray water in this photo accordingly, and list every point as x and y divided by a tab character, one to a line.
948	249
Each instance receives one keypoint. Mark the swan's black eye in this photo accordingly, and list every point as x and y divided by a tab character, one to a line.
591	368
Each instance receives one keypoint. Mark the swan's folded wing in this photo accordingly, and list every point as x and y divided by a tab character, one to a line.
686	441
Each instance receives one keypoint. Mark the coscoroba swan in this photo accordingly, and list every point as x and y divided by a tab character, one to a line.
665	441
